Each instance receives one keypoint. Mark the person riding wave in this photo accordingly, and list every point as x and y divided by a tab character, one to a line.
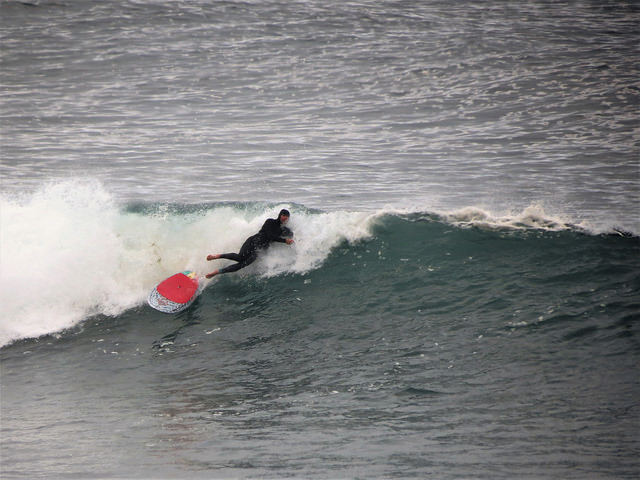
273	230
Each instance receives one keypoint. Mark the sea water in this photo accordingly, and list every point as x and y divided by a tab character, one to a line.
462	297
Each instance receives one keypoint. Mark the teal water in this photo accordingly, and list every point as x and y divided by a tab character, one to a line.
462	297
423	348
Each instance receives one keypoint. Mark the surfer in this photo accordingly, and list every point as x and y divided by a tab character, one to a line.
272	231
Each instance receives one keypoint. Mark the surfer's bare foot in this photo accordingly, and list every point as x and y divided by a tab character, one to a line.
212	274
212	257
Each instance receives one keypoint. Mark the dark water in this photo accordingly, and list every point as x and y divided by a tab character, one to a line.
462	299
428	105
422	350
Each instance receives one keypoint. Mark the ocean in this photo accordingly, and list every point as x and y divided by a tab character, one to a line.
462	300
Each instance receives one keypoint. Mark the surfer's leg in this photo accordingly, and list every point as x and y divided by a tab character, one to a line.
231	256
242	262
247	255
228	256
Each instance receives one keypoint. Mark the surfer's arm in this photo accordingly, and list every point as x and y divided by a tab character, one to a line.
286	235
271	229
288	241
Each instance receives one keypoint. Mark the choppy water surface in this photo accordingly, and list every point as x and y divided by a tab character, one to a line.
462	297
330	104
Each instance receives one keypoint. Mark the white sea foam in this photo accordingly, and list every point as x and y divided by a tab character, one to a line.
60	259
532	217
69	251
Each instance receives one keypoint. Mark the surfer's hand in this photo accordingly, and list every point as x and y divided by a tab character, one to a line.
289	241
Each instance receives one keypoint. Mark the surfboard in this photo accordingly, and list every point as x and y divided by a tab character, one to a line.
175	293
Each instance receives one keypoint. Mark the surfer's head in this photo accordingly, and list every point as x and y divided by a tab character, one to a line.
283	216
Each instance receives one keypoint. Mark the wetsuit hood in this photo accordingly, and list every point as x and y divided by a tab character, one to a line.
284	212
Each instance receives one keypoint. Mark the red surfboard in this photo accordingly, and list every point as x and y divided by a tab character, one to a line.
175	293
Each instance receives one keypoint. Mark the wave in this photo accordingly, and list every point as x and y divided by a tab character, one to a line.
533	217
69	251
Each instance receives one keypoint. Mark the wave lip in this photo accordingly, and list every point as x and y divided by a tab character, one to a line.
533	217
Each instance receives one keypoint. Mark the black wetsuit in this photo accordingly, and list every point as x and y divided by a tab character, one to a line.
271	231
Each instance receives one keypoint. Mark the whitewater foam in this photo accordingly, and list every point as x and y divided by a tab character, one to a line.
60	260
532	217
69	251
